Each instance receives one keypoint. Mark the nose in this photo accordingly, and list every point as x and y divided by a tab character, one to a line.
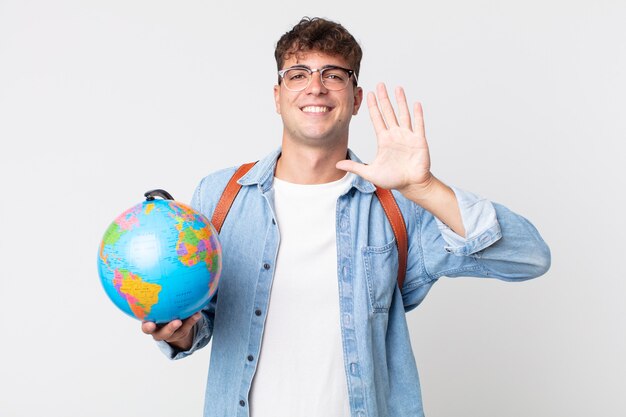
316	86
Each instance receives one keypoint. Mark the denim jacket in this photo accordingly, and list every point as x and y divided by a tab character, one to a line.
381	372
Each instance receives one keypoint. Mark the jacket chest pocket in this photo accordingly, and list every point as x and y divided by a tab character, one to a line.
381	272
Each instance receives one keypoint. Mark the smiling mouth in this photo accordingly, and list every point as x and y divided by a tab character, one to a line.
316	109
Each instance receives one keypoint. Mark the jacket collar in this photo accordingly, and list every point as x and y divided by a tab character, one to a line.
262	174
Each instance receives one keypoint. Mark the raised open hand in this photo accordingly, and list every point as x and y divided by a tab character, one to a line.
402	160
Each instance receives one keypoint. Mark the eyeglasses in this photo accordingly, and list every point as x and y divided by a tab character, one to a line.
298	77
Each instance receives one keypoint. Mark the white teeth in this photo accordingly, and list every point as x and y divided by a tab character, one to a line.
315	109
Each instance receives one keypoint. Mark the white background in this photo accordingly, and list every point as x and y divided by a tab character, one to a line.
102	100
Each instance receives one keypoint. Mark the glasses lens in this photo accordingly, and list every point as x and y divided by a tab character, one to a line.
335	78
296	79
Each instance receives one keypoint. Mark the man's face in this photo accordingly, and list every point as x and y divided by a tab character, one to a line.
317	116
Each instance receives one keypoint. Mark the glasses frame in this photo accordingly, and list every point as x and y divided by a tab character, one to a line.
350	72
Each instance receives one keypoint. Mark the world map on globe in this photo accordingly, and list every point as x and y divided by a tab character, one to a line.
159	261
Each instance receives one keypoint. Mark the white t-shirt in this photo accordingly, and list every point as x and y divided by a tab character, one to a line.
300	371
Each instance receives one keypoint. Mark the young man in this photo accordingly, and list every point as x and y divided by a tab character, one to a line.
308	319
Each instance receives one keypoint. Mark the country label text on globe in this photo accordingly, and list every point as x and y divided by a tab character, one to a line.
159	261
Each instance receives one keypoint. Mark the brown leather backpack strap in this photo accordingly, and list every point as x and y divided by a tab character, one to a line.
394	215
228	196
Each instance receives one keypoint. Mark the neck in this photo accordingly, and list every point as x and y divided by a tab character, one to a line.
301	165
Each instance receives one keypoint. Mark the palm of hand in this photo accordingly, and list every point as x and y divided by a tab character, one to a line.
402	159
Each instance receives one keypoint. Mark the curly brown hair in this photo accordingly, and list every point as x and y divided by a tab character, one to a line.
322	35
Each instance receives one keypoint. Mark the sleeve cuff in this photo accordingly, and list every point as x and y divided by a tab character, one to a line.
480	222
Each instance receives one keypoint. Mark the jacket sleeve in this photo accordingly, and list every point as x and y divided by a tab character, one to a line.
498	244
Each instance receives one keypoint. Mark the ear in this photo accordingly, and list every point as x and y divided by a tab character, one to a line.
277	98
358	99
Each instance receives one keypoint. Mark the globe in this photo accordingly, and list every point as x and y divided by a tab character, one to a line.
160	260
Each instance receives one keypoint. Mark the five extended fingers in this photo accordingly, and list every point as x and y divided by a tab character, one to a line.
383	115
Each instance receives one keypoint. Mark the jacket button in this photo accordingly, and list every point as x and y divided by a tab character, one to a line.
257	312
266	266
354	368
250	358
242	403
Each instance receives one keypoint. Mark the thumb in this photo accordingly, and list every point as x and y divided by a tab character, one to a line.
352	166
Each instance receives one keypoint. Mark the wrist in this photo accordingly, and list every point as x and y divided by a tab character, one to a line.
423	191
440	200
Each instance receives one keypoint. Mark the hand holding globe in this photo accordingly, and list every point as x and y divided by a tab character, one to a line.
178	334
